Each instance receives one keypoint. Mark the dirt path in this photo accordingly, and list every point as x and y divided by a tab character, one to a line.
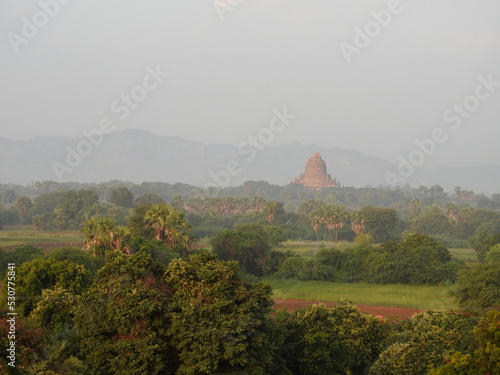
401	312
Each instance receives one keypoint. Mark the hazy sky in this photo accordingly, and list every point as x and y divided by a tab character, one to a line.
231	63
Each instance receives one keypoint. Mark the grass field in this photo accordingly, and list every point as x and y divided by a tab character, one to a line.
424	297
26	235
469	256
310	248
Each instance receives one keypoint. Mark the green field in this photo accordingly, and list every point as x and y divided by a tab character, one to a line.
26	235
310	248
469	256
423	296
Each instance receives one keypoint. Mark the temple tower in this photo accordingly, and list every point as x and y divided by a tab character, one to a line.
316	176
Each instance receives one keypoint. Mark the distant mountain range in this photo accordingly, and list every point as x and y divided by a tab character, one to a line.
137	156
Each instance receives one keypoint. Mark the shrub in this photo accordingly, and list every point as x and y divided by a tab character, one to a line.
299	268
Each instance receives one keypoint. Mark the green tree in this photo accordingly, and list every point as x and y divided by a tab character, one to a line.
417	240
487	334
380	222
38	222
338	340
177	203
23	204
79	256
309	206
316	220
46	273
218	323
486	357
275	234
415	207
8	196
299	268
19	256
147	198
122	197
479	286
168	224
431	221
418	260
339	216
357	222
29	342
482	243
56	308
426	341
274	210
98	235
123	318
249	245
493	254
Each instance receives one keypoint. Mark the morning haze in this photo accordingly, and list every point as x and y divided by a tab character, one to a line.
227	66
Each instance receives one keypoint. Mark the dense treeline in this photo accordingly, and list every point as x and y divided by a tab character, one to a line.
452	218
291	196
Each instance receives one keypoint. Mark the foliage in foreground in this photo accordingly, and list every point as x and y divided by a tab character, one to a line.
425	341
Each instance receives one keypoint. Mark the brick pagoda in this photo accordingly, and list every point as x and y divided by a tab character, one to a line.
316	177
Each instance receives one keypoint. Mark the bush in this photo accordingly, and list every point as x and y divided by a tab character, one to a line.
277	259
424	342
493	254
249	245
331	340
78	256
363	238
479	286
299	268
19	256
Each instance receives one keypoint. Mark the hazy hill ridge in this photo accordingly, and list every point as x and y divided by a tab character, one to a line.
136	156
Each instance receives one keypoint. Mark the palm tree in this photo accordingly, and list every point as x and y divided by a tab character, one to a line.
58	221
273	208
23	204
168	224
99	234
315	217
156	218
333	217
415	206
451	211
339	215
120	239
323	214
357	222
